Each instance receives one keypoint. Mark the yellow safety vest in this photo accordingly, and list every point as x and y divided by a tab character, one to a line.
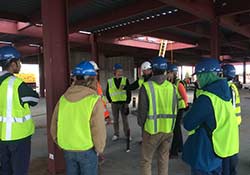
73	126
236	101
15	120
140	81
162	107
117	94
225	137
181	102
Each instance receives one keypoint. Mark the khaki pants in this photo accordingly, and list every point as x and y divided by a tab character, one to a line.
116	109
159	143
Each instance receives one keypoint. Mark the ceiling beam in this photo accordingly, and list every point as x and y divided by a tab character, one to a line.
147	45
137	8
146	26
23	25
196	30
243	19
171	36
231	7
205	10
199	8
77	3
230	23
13	16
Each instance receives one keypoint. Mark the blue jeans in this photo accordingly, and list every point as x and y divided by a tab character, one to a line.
229	165
199	172
81	162
15	156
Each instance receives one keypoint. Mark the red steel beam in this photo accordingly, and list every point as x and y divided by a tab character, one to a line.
13	16
8	27
196	30
23	25
243	19
118	14
199	8
148	45
150	25
231	7
77	3
171	36
230	23
205	10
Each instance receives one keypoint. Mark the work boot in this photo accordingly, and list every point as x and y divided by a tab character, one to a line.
115	137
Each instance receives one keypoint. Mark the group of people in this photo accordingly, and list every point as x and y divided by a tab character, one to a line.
78	121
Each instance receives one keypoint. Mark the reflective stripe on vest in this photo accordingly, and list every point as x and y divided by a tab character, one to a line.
156	116
15	120
73	126
181	102
117	94
225	137
236	101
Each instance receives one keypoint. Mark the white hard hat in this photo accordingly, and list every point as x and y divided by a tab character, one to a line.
146	65
95	65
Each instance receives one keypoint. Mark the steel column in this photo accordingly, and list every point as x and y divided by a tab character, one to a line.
41	73
55	38
94	48
244	71
215	39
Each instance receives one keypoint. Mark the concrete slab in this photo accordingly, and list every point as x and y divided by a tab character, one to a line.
118	162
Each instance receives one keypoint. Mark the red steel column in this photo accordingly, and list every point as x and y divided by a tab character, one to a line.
55	38
215	39
244	71
94	48
41	73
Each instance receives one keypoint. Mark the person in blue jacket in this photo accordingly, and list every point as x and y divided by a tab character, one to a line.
198	149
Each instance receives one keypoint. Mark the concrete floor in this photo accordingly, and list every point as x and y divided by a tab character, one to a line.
117	161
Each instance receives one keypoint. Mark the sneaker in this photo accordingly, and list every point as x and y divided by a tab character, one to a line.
115	137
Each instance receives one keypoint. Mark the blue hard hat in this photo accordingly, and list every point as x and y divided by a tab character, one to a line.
84	68
207	65
228	71
8	53
159	63
172	68
117	66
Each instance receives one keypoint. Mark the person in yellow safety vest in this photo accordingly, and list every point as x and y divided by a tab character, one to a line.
16	123
77	124
212	119
146	69
104	100
119	99
177	142
157	111
229	164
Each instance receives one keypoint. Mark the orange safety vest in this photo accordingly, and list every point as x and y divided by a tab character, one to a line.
104	101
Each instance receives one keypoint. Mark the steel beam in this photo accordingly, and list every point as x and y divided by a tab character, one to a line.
199	8
56	61
150	25
137	8
231	7
164	34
